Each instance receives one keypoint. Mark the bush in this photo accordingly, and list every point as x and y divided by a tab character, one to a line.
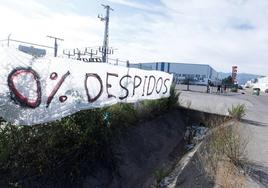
222	153
160	174
63	145
151	108
121	114
173	99
44	149
228	143
237	112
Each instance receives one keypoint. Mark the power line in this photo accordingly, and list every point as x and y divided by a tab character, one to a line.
30	43
19	41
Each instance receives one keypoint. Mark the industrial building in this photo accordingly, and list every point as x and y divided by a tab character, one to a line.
199	74
37	52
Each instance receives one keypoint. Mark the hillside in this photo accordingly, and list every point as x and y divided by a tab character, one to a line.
241	77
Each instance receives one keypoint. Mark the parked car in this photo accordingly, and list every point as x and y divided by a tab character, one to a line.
240	87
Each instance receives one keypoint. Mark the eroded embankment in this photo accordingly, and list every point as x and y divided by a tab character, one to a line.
142	149
147	148
137	156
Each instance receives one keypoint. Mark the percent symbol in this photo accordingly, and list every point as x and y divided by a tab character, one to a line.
54	76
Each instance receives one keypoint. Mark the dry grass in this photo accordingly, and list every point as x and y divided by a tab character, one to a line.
222	151
228	175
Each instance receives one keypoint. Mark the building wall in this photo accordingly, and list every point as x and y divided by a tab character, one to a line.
198	73
32	50
144	66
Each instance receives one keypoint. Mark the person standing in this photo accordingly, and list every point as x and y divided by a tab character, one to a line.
218	89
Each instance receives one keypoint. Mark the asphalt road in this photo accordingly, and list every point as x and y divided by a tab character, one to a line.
255	123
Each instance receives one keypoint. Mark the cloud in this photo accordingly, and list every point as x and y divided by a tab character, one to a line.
221	33
142	6
33	23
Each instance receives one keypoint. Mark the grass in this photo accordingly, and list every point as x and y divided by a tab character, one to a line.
224	149
31	151
237	112
160	174
222	152
63	146
228	175
150	108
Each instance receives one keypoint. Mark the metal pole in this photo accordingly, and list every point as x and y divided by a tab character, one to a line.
55	44
8	38
106	33
55	48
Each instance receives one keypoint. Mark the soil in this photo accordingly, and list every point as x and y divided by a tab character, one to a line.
142	150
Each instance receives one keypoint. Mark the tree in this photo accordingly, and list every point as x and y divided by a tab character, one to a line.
227	81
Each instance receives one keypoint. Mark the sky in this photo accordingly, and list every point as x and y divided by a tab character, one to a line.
221	33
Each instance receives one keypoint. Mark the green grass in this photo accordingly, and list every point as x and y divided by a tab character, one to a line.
27	152
160	174
151	108
237	112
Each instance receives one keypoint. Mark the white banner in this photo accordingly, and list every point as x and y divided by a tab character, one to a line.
34	91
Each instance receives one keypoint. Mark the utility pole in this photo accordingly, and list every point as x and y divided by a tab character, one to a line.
8	39
55	44
106	32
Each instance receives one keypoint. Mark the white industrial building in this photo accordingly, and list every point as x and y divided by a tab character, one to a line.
198	74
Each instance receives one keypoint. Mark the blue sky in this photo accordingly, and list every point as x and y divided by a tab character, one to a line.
221	33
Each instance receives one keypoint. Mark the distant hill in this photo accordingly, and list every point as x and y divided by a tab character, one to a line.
242	78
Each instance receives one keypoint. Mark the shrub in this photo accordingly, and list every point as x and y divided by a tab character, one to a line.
122	114
33	151
45	149
225	147
151	108
173	99
237	112
160	174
